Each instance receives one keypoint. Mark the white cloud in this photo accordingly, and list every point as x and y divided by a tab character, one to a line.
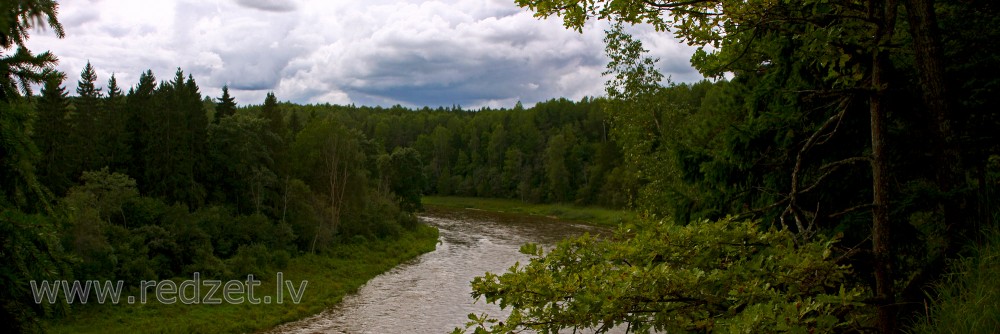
437	52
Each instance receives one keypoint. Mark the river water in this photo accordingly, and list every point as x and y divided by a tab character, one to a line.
431	294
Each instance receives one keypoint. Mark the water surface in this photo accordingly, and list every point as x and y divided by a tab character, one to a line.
431	294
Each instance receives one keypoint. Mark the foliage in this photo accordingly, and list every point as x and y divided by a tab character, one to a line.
587	214
727	275
405	176
54	163
331	275
18	71
241	161
29	243
839	117
840	121
29	250
225	107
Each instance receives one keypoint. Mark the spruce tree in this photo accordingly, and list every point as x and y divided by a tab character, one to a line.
226	106
54	166
115	147
139	107
85	131
272	113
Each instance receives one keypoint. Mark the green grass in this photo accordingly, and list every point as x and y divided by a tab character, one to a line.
589	214
331	277
968	300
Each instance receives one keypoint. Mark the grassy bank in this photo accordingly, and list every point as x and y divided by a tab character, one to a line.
968	299
592	215
330	277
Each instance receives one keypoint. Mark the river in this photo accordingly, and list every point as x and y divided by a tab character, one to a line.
431	294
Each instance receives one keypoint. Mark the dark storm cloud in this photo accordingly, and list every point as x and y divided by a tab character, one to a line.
269	5
443	57
471	78
415	53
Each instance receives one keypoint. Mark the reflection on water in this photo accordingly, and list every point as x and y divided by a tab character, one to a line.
431	294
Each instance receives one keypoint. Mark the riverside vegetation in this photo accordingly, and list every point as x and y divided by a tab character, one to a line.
842	162
835	175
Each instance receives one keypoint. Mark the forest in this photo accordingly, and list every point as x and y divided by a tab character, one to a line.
838	175
837	172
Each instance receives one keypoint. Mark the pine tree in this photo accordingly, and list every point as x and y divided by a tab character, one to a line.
28	243
176	143
197	136
140	105
294	124
114	146
276	125
226	106
20	69
85	131
54	166
272	113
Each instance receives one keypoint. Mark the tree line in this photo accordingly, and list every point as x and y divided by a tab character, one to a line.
156	181
556	151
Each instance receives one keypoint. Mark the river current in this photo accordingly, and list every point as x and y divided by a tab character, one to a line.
431	293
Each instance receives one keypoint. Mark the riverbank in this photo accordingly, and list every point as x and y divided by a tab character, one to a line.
330	277
591	215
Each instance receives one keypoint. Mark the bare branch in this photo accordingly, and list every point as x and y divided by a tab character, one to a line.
850	209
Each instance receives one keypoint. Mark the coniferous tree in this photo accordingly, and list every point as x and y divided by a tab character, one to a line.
54	166
21	68
226	106
176	142
140	105
28	243
272	113
294	124
197	136
114	146
85	130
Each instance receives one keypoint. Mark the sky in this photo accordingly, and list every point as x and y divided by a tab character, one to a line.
472	53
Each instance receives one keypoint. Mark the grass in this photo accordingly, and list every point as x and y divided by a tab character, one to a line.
330	276
968	300
588	214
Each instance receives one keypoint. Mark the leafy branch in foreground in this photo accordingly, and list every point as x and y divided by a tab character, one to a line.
726	275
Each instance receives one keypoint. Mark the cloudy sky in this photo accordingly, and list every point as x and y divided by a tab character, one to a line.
367	52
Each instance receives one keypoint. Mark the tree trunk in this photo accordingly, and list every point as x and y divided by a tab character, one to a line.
929	56
881	226
880	212
930	65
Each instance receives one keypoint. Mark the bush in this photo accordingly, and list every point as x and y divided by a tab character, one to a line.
257	260
726	276
250	260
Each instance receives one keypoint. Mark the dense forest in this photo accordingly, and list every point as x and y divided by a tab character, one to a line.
558	151
842	162
155	181
842	158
